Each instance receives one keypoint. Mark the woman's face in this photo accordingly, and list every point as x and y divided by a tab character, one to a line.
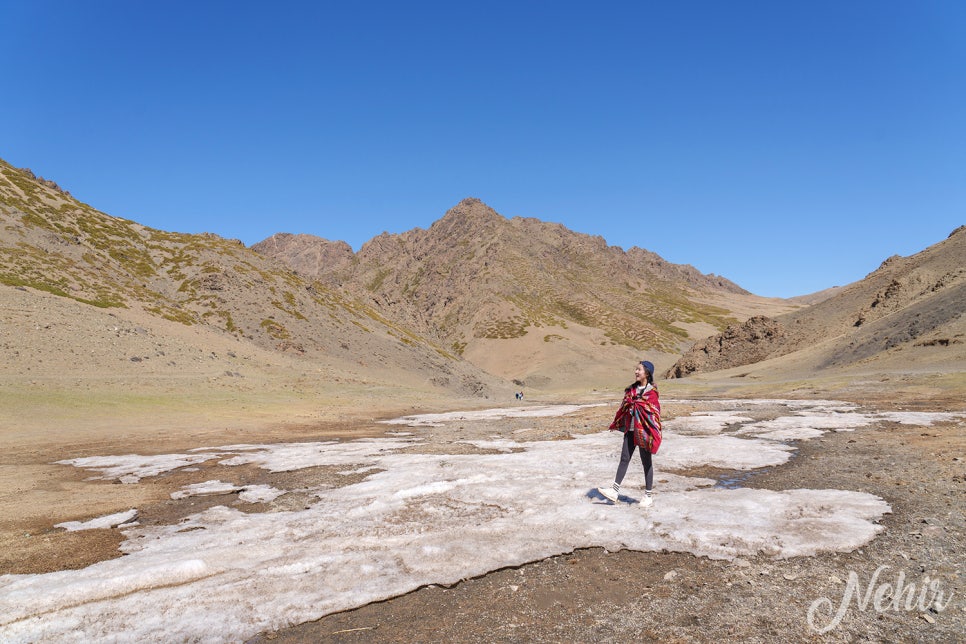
640	373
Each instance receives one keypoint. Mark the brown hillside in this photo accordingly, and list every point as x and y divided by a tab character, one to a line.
444	310
909	305
50	242
522	298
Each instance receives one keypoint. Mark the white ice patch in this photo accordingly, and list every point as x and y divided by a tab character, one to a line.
207	488
437	420
259	494
919	417
417	519
724	451
803	426
109	521
131	468
795	432
247	493
286	457
710	422
500	445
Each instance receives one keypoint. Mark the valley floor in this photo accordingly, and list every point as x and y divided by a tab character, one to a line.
907	584
915	564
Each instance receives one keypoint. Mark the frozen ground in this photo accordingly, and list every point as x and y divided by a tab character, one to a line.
416	519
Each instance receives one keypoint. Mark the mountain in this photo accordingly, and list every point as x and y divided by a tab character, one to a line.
908	312
474	305
50	242
522	298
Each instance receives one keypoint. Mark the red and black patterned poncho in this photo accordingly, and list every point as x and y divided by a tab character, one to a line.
640	412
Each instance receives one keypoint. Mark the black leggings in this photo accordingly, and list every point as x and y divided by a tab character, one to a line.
626	454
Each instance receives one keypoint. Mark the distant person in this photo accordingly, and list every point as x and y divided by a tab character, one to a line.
639	417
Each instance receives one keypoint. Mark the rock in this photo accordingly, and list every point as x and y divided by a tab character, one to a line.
756	339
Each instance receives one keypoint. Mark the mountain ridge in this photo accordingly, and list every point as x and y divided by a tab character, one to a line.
473	304
475	277
904	306
467	306
51	242
434	249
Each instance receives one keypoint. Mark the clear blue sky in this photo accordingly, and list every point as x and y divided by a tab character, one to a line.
789	146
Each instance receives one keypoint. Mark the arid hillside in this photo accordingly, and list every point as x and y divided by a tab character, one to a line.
477	305
50	243
907	314
526	299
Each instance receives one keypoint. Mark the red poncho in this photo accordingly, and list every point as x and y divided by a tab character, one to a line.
640	412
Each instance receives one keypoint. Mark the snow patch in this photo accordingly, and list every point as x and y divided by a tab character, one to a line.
108	521
437	420
420	519
247	493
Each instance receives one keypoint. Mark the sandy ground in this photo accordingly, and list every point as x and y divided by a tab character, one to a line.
582	596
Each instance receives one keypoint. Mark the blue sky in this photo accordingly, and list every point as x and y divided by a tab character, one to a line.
789	146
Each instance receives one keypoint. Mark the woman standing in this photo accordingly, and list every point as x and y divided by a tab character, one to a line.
639	417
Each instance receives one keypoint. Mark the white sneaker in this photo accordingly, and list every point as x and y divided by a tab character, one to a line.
646	501
608	493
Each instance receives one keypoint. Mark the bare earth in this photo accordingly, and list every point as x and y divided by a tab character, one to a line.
587	595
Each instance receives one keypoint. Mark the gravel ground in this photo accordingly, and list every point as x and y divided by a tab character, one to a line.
907	585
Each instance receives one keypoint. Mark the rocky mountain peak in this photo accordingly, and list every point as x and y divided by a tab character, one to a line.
468	216
472	207
475	278
306	254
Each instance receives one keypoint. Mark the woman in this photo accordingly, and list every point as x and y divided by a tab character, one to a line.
639	417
